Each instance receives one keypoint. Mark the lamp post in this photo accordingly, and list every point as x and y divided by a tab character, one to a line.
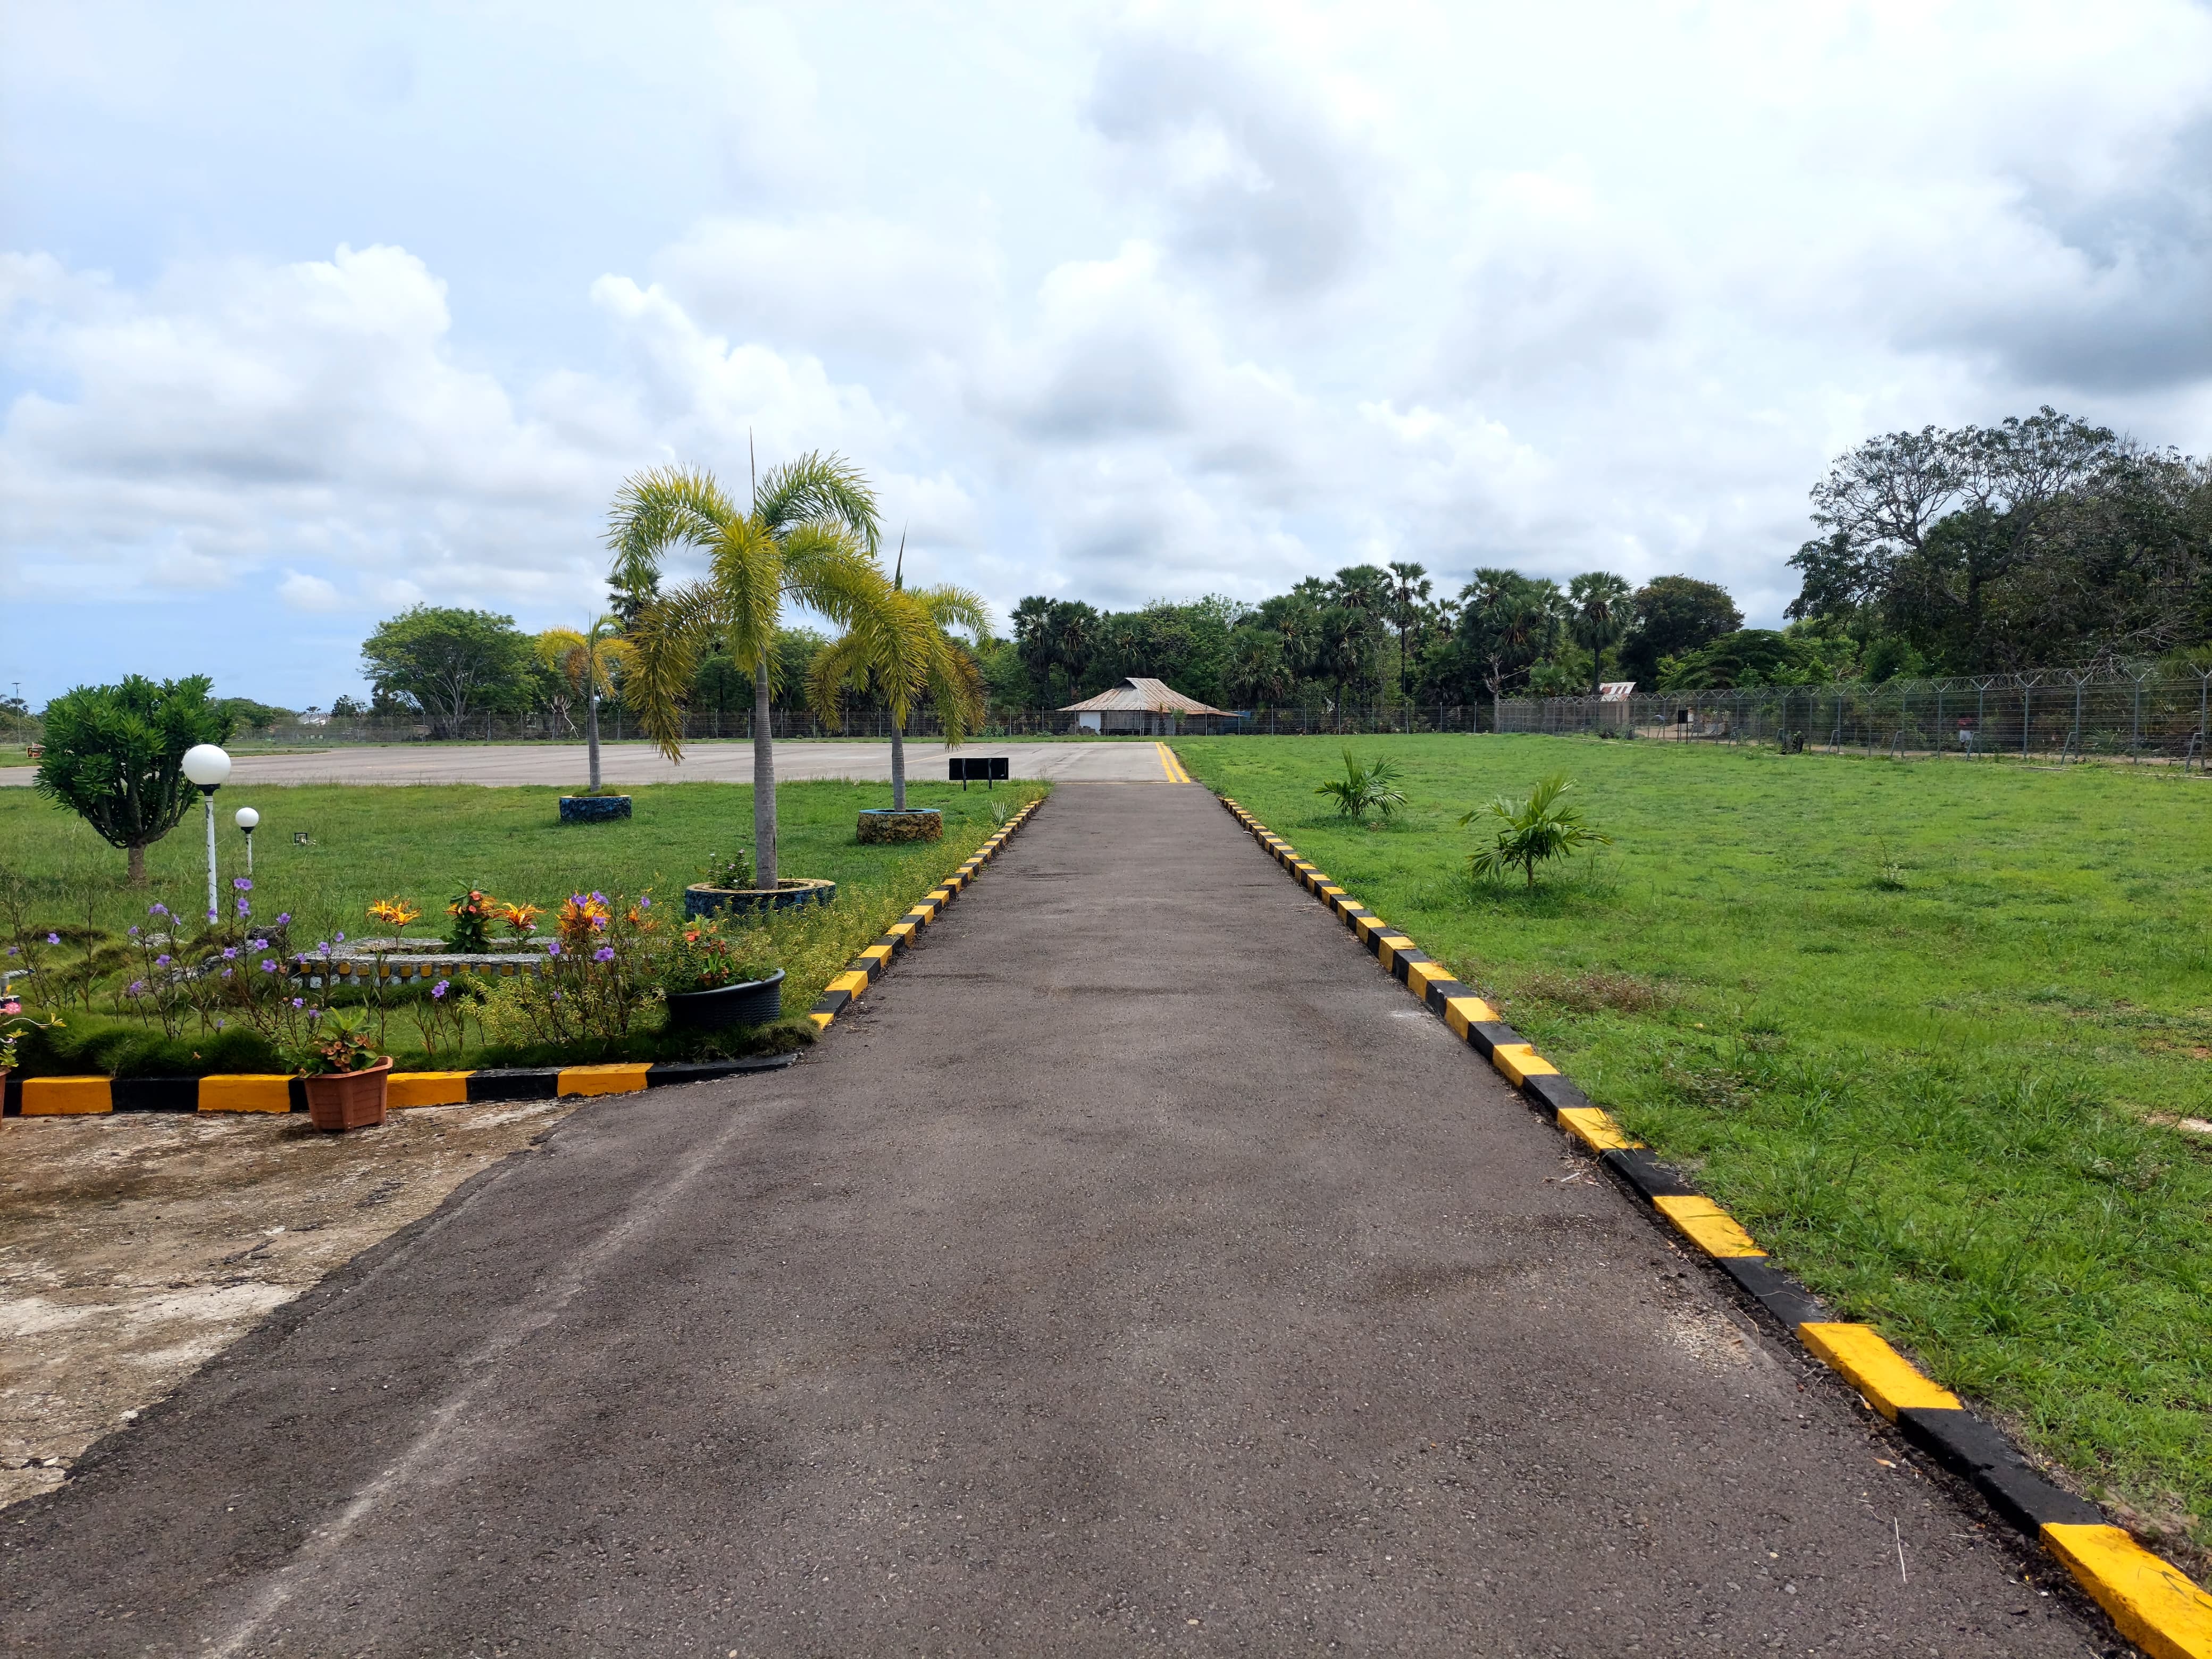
207	765
245	818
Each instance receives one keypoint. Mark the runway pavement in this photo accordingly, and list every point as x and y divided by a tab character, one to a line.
1135	1268
1100	761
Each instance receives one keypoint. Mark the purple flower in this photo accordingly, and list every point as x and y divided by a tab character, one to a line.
257	944
157	909
314	1013
53	939
11	950
556	996
218	1025
268	967
604	953
283	916
137	987
161	961
553	948
244	908
134	932
241	883
341	938
645	901
298	1002
230	953
439	989
225	973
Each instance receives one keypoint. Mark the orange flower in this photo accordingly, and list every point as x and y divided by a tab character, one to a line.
395	911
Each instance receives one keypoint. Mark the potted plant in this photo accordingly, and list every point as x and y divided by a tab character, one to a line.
728	889
589	662
711	981
343	1074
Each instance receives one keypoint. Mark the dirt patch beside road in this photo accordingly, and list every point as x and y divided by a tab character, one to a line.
133	1248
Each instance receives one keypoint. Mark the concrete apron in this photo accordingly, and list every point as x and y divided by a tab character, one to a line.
1137	1263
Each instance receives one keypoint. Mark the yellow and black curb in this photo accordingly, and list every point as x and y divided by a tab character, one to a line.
869	966
2156	1605
81	1097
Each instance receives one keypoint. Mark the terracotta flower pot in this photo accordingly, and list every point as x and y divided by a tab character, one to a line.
338	1101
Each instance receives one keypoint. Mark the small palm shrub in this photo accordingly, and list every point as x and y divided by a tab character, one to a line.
1536	830
1365	789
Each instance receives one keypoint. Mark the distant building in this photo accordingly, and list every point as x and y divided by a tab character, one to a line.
1150	708
1616	690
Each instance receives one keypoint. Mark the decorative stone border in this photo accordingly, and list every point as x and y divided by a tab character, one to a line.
593	809
2156	1605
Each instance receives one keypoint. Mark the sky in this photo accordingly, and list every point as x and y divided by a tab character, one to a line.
310	312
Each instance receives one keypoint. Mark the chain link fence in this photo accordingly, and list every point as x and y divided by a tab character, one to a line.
2153	715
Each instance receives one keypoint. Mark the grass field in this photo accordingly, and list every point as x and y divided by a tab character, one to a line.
427	843
1928	1028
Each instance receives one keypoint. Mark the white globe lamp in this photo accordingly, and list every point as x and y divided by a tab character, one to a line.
245	818
207	765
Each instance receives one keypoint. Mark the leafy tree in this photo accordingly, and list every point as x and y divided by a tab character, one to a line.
449	663
115	756
1256	674
588	663
1598	610
1510	623
1536	831
1673	615
808	537
254	716
1750	656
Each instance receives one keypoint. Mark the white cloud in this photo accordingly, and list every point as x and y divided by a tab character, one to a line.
1131	302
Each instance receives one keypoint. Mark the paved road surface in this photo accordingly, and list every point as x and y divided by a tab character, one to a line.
1138	1270
1097	761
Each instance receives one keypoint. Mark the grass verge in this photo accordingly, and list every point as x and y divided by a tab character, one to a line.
428	842
1935	1031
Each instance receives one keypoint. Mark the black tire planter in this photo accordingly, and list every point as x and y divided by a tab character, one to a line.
593	809
755	1002
701	899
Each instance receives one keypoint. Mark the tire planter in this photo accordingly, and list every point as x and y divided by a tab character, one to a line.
701	899
593	809
754	1002
338	1101
890	825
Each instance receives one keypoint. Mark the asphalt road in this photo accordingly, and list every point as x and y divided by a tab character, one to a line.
1098	761
1138	1268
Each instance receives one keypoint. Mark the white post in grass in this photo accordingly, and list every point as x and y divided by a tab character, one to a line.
207	765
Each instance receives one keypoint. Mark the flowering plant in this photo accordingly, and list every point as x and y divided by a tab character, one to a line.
730	871
15	1024
522	920
395	913
337	1041
603	972
702	958
472	913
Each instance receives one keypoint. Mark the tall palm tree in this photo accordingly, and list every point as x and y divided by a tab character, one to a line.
1409	593
809	537
943	670
589	661
1597	616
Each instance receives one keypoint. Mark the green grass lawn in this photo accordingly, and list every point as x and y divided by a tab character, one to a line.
426	843
1926	1028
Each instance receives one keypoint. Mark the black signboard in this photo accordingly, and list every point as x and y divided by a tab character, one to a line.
980	768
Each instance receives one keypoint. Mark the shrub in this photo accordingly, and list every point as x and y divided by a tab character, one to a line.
732	871
1365	789
1536	830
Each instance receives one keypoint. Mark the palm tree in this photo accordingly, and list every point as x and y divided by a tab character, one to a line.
1598	610
1409	593
943	670
808	538
588	662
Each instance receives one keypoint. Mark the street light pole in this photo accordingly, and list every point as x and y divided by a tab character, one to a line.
245	818
207	765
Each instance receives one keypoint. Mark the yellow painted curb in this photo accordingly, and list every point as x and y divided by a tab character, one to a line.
2156	1604
1707	1225
1890	1382
1461	1012
1387	949
245	1092
1594	1126
427	1089
820	1020
854	980
1419	976
621	1078
1519	1061
65	1096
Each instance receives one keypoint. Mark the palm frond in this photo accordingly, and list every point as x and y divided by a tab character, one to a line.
826	490
671	635
840	666
659	508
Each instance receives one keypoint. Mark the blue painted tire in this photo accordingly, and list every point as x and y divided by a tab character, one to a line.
701	899
593	809
755	1002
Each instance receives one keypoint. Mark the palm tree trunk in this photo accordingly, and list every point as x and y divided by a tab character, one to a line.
763	780
592	736
137	854
898	763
